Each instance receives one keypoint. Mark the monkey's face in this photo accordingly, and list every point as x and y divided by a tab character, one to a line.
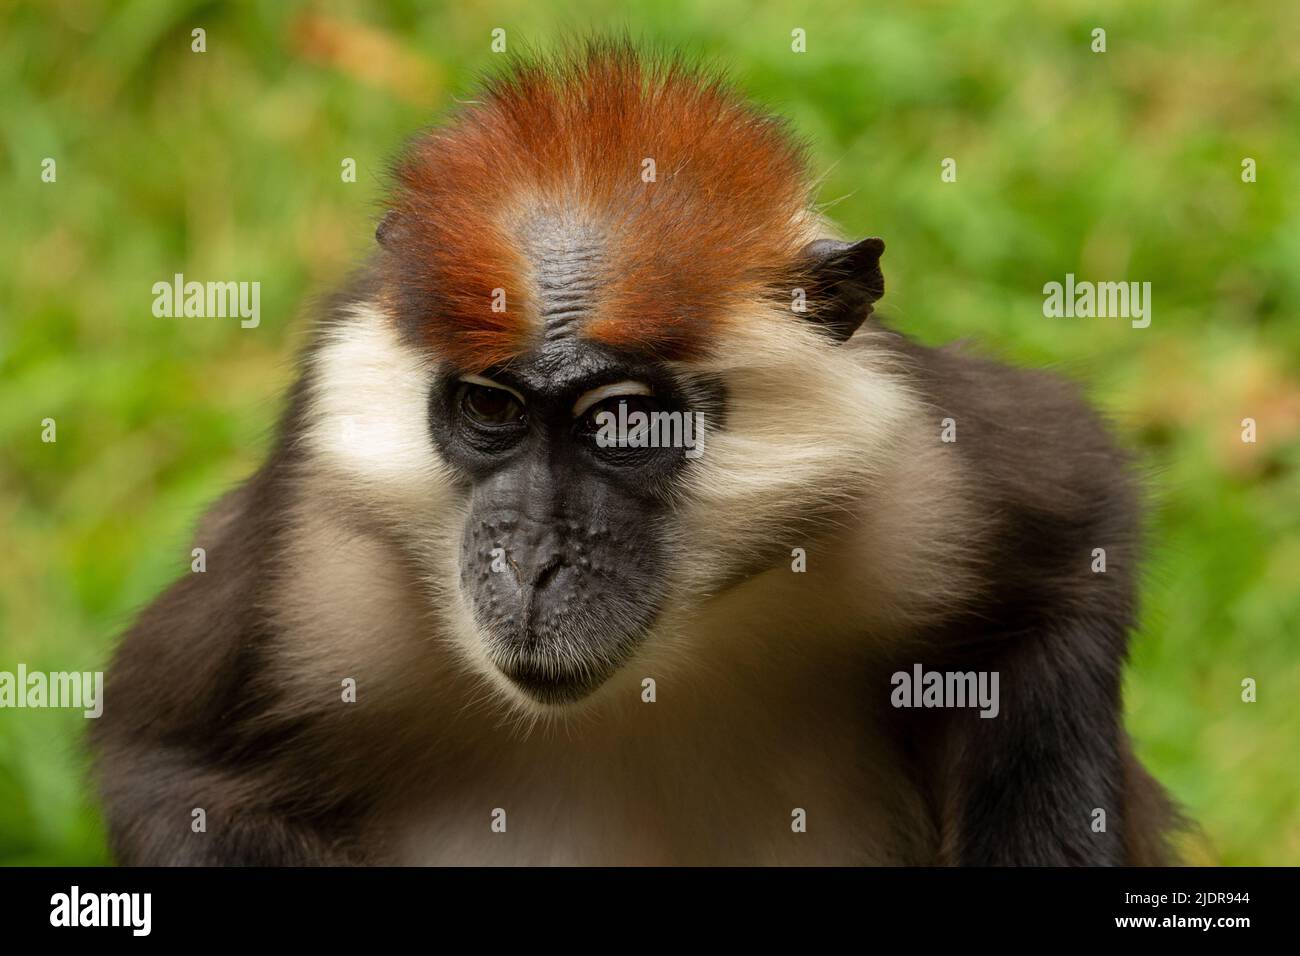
569	459
581	503
536	243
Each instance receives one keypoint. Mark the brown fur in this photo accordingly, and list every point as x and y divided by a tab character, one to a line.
720	225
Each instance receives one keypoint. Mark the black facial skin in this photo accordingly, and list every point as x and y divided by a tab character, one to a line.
581	572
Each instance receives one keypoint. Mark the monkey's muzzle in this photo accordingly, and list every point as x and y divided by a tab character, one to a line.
560	603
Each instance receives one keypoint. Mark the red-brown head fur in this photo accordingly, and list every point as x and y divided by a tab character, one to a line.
721	225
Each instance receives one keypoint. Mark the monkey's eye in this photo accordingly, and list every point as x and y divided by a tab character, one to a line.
618	410
489	406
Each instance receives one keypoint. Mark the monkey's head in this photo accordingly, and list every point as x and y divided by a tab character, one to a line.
602	377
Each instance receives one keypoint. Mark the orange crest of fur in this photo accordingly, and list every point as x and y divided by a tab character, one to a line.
695	198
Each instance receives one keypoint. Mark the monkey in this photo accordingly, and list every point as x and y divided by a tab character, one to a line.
447	622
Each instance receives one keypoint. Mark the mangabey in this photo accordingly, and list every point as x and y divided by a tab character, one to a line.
447	623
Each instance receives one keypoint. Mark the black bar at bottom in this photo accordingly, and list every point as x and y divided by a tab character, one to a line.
549	905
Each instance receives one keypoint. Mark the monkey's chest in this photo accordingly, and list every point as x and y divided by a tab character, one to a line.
552	807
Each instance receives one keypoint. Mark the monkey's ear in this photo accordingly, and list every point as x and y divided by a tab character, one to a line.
388	229
843	280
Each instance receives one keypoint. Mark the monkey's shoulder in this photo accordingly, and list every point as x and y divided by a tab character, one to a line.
1029	435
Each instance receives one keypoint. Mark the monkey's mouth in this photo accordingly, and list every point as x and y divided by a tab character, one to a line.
560	625
546	680
564	662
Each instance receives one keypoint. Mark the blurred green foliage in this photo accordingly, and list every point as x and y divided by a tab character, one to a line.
226	164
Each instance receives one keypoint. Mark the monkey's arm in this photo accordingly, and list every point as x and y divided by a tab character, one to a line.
184	727
1026	785
170	807
1057	498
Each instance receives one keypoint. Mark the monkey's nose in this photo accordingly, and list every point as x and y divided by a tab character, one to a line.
542	575
534	559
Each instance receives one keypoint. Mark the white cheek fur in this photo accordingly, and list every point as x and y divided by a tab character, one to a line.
368	413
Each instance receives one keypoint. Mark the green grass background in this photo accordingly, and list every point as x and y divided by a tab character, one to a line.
1122	166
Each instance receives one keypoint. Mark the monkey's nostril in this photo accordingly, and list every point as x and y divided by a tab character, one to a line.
548	571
